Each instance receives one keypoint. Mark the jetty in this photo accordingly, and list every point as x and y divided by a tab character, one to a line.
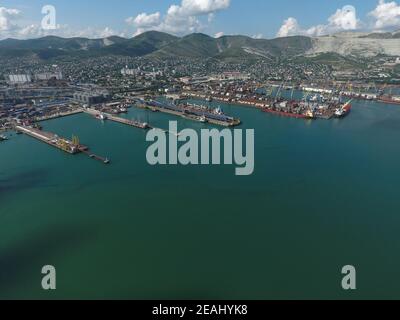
69	146
106	116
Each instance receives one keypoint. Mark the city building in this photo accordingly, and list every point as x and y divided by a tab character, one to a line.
48	76
14	79
91	98
129	72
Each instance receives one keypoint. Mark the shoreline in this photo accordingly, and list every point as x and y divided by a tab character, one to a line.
59	115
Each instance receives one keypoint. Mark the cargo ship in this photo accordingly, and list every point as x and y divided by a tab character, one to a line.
290	109
343	111
389	99
286	114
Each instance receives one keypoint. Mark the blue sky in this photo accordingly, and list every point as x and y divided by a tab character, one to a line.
250	17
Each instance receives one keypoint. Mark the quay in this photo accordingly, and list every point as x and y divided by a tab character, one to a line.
50	138
190	114
70	147
94	156
107	116
287	108
58	115
133	123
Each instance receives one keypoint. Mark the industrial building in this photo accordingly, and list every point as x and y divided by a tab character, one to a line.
14	79
46	76
91	98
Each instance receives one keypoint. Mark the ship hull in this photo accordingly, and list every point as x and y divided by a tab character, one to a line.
389	101
286	114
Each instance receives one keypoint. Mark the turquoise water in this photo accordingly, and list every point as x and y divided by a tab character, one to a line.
324	194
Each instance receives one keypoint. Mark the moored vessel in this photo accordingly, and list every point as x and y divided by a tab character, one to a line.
343	111
389	99
101	116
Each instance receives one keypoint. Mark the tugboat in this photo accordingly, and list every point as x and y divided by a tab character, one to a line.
101	117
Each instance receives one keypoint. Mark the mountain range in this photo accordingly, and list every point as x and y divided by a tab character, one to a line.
161	45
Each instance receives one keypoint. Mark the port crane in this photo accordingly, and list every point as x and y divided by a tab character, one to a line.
279	93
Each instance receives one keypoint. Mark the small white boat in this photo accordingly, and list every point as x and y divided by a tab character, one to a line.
203	119
219	111
101	116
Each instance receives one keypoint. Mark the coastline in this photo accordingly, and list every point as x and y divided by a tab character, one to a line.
59	115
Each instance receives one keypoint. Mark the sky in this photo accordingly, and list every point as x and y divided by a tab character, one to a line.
256	18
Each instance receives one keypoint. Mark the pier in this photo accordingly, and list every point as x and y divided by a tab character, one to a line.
107	116
189	113
70	147
133	123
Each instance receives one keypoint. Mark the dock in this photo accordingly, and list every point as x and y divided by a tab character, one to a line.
107	116
68	146
95	157
59	115
136	124
190	114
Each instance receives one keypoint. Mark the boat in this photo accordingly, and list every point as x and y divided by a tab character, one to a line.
3	138
218	111
389	99
101	116
201	119
309	114
285	114
343	111
107	161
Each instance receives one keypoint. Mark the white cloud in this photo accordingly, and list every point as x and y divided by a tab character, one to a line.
201	7
219	35
145	20
258	36
6	19
342	20
10	27
386	15
36	31
179	19
290	27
